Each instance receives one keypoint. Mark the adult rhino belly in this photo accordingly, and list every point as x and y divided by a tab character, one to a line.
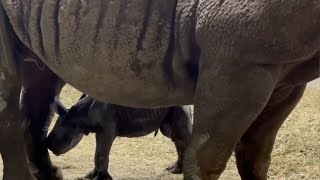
112	50
118	86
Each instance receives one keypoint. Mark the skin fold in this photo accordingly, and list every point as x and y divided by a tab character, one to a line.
235	61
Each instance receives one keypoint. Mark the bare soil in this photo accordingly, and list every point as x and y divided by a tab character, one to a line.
296	154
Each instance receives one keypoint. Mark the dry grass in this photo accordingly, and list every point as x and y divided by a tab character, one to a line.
296	154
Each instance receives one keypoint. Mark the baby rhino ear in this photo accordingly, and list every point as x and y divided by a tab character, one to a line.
58	107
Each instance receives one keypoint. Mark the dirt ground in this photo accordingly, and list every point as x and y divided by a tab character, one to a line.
296	153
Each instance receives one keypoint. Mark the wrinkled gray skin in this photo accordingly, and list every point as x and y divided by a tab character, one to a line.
109	121
243	64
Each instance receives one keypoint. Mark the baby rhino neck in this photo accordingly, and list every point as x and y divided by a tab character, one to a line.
87	126
92	120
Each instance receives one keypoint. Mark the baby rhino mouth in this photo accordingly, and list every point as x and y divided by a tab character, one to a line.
59	149
56	148
65	146
57	153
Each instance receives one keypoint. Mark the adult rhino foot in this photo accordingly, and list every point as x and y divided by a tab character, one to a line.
54	173
175	168
95	175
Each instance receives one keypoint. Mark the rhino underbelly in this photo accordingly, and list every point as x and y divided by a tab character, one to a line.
118	86
137	129
135	133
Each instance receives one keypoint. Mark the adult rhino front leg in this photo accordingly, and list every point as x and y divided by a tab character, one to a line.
40	86
12	128
12	143
253	152
228	99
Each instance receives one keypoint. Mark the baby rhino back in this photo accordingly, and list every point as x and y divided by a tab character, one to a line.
136	122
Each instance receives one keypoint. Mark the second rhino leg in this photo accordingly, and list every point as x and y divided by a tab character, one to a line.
12	124
37	96
177	127
228	99
13	154
253	152
12	140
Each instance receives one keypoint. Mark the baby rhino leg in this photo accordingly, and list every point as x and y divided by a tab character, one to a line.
104	140
177	127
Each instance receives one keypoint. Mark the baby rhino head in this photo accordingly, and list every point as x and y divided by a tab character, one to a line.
70	126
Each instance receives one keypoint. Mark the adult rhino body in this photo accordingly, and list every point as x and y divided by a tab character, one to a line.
127	43
243	64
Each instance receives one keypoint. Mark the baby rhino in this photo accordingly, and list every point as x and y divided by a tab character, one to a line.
109	121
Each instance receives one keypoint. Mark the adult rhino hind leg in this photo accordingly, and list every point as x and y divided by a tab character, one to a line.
40	86
228	99
253	152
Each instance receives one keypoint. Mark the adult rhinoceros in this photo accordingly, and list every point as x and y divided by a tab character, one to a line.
243	64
